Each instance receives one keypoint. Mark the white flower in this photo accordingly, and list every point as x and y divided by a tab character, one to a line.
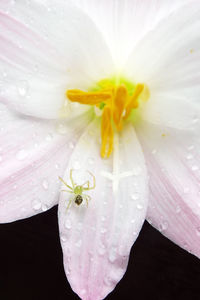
50	48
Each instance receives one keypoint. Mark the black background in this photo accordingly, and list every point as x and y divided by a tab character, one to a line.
31	265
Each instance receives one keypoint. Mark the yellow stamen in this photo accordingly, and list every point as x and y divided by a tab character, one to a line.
106	132
119	105
116	104
91	98
133	103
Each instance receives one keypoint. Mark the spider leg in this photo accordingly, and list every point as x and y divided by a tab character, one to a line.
88	184
69	203
94	183
87	198
71	178
65	183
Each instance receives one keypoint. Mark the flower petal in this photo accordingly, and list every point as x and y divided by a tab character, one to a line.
46	50
174	165
124	23
33	154
168	61
96	241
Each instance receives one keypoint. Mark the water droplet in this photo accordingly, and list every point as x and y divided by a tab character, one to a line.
68	224
78	243
103	230
186	190
61	128
135	196
63	238
112	255
45	184
22	88
36	204
108	281
191	147
139	206
21	154
198	231
44	207
195	168
178	209
57	166
132	221
102	250
154	151
163	226
189	156
71	145
49	137
83	292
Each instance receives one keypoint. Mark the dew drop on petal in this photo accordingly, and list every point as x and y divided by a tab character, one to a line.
21	154
112	255
78	243
83	292
135	196
195	168
45	184
22	88
44	207
36	204
139	206
198	231
189	156
178	209
163	226
63	238
101	250
68	224
71	145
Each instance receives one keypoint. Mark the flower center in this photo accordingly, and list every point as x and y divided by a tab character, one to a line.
116	101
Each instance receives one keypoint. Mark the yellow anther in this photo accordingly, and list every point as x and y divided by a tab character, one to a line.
120	101
116	104
91	98
133	102
106	132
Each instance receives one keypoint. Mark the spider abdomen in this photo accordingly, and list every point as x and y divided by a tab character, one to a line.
78	199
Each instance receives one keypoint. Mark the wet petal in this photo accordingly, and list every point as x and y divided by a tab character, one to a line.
168	61
96	241
46	50
124	23
174	166
33	153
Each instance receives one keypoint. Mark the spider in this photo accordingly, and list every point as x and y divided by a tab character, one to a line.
78	190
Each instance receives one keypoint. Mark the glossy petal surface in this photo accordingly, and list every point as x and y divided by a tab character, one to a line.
45	50
33	154
173	164
96	241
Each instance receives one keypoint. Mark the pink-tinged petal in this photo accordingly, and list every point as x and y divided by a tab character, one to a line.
124	23
33	153
96	241
168	61
173	162
46	50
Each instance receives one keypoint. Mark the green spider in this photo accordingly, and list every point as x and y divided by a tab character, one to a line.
78	190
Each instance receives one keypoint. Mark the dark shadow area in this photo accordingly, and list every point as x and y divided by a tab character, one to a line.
31	265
